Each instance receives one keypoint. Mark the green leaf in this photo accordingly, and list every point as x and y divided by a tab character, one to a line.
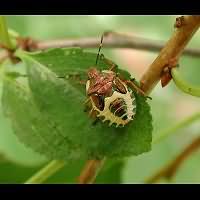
61	130
29	124
13	150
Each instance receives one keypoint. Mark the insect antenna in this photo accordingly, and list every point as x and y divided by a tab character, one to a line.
101	44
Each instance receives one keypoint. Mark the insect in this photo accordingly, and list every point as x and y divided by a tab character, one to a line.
110	96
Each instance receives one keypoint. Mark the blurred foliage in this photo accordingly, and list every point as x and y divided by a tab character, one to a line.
169	105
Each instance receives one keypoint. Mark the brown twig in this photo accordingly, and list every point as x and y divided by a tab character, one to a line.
172	50
90	171
171	169
111	40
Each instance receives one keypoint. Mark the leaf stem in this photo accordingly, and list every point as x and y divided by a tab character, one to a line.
112	40
176	127
183	85
4	36
46	172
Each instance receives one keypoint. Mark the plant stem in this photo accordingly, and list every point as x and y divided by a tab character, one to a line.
183	85
46	172
170	169
172	50
176	127
4	36
90	171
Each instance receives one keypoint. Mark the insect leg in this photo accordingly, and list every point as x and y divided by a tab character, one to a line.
93	114
136	88
86	104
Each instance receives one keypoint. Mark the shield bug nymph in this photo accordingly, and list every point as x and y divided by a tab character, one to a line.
110	96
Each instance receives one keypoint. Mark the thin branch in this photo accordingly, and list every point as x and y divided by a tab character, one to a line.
112	40
172	50
90	171
171	169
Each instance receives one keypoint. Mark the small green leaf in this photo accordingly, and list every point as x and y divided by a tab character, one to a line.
54	107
